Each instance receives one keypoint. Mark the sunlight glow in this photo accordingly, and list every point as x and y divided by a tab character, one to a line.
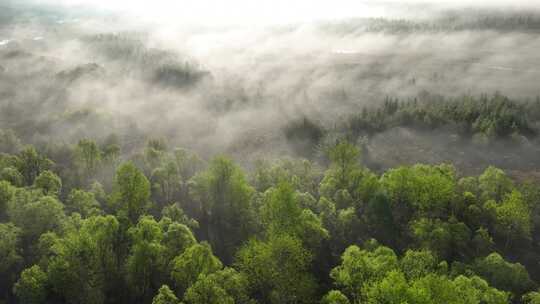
211	12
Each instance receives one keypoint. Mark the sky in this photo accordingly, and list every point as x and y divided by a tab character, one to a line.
269	11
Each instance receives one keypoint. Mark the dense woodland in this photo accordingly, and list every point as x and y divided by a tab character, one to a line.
88	224
457	20
484	118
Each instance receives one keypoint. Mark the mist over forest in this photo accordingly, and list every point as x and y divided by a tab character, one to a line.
380	152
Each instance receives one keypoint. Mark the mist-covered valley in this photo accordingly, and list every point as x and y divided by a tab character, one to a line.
67	77
243	152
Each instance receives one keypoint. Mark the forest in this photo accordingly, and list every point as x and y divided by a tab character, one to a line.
368	160
82	225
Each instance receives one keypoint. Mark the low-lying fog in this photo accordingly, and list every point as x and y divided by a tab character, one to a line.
72	74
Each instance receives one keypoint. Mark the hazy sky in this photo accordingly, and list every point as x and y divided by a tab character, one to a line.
266	11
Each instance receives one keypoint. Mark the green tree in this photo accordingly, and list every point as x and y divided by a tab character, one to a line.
165	296
224	286
281	214
35	214
166	181
448	240
10	257
176	238
30	163
131	192
494	184
277	270
513	218
188	165
378	218
343	225
504	275
362	266
32	286
177	214
483	242
532	297
83	202
206	291
87	157
155	152
195	261
83	266
430	190
49	183
302	174
12	175
146	264
417	264
344	172
394	288
226	214
6	194
335	297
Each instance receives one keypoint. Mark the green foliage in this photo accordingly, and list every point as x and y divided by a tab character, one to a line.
429	189
176	239
395	289
379	218
30	163
83	264
281	211
277	270
87	157
11	175
32	286
166	180
449	240
207	291
361	266
177	214
6	194
513	218
197	260
10	255
417	264
165	296
83	203
188	163
9	248
483	242
375	275
281	214
504	275
344	172
224	286
131	192
531	298
35	214
224	198
491	117
302	174
49	183
146	264
335	297
276	242
494	184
